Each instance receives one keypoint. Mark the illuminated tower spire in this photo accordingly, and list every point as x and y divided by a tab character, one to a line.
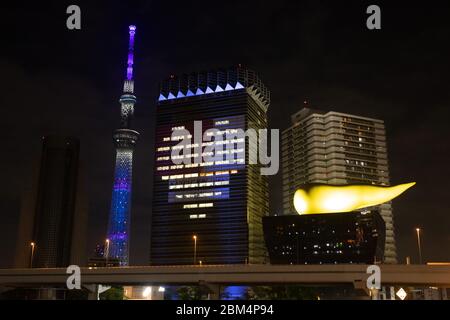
124	140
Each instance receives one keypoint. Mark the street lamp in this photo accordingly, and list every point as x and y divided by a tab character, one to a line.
106	252
195	249
419	245
33	246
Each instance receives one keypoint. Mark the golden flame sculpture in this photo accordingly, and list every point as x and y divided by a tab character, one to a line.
346	198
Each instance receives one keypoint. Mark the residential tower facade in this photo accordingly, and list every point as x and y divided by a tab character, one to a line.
336	148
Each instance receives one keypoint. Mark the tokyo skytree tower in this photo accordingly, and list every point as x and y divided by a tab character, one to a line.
124	139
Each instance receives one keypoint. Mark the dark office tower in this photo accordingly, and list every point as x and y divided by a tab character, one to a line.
209	212
52	229
125	140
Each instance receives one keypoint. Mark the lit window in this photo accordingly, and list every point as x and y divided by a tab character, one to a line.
207	154
205	205
163	149
222	162
191	185
162	168
191	175
205	184
218	173
220	123
202	216
205	194
221	183
190	206
177	138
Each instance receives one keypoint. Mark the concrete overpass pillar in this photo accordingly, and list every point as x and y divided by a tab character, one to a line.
374	293
46	294
93	293
94	290
213	290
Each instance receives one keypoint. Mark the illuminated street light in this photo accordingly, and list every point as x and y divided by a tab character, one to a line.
106	253
33	246
419	245
195	249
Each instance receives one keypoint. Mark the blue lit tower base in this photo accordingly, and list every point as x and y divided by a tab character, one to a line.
119	222
125	140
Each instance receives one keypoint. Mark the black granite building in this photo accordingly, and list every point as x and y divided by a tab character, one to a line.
348	237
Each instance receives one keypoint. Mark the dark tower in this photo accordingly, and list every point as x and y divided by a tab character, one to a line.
52	228
125	140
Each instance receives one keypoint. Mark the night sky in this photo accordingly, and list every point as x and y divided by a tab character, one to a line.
54	80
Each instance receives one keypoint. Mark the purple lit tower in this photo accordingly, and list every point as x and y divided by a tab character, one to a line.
125	140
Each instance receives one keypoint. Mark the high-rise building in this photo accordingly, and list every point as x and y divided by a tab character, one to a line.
52	226
125	139
336	148
209	211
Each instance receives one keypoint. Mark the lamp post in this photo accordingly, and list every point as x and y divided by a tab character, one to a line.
33	246
106	252
419	245
195	249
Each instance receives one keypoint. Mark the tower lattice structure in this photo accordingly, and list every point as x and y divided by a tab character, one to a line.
124	139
